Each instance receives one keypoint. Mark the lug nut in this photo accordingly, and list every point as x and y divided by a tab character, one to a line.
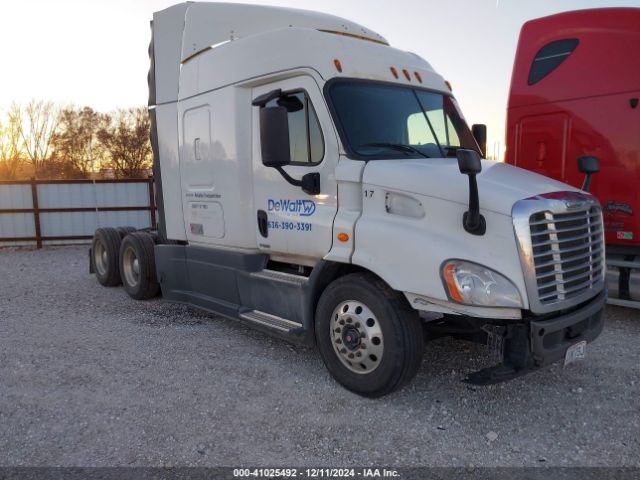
358	354
341	322
349	320
351	355
344	350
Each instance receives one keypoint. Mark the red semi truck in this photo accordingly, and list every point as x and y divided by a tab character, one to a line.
575	90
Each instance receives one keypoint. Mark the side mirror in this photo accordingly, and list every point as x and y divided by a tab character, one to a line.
588	166
274	137
479	131
469	164
468	161
274	142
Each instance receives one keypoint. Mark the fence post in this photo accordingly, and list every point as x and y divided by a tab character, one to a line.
152	203
36	212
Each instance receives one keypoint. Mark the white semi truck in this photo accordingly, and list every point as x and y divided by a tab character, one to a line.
324	187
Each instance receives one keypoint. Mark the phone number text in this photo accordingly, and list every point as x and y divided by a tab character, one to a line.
295	226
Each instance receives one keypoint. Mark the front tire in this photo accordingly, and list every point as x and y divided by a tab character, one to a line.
138	267
369	337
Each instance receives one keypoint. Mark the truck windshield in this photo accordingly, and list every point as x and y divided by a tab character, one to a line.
385	121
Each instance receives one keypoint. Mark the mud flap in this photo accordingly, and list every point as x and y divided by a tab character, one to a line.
91	268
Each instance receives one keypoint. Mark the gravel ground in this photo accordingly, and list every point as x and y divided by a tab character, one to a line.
89	377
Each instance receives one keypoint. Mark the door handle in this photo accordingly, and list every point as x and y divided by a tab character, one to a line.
196	149
263	224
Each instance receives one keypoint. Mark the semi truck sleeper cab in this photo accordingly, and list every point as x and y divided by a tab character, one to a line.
324	187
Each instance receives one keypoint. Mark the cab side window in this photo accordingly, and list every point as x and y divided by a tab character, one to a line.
550	57
305	136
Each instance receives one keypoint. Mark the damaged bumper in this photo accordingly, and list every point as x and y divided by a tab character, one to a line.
527	346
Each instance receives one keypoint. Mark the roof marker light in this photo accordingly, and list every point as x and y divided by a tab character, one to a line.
343	237
338	65
394	72
418	77
448	84
406	74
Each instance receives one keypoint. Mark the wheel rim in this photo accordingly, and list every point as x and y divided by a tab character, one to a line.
100	258
130	266
356	337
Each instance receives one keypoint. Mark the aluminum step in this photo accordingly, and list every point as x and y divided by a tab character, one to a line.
283	277
623	276
271	321
614	262
623	303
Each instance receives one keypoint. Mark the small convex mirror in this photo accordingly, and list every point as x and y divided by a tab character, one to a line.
479	131
291	103
468	161
588	165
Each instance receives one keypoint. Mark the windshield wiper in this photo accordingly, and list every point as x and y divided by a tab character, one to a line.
395	146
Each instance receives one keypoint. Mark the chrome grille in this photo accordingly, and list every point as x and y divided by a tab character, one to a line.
568	253
561	244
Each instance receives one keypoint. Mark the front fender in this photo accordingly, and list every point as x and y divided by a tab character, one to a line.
407	251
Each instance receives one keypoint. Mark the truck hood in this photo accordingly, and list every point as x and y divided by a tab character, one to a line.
500	185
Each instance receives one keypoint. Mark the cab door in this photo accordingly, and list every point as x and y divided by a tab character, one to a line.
203	214
289	222
542	144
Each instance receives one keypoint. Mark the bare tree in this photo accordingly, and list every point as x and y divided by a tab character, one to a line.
126	139
11	155
74	144
39	120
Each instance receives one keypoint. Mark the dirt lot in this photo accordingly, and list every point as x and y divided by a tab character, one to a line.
89	377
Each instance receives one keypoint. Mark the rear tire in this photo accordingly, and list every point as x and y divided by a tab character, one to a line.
138	267
369	337
105	254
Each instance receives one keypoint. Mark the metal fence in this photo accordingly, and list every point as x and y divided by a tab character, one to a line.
48	212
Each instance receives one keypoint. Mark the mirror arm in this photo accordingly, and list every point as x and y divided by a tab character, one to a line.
310	182
587	182
289	178
472	220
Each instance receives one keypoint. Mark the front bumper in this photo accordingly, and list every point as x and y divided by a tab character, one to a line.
529	345
550	339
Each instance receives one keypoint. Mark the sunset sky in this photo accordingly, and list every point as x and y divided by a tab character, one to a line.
94	52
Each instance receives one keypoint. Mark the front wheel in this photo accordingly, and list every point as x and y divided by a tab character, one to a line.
369	338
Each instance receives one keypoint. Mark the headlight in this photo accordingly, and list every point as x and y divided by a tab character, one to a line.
472	284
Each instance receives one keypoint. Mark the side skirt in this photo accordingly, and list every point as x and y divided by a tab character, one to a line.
237	286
